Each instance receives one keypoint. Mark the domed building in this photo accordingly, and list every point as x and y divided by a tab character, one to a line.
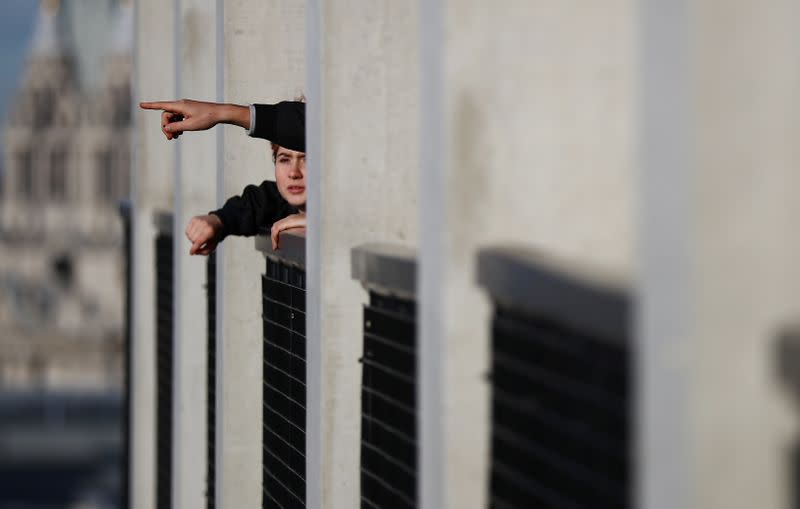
66	169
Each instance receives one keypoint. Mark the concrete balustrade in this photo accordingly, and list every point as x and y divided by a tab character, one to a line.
529	136
646	140
263	61
152	190
719	250
362	140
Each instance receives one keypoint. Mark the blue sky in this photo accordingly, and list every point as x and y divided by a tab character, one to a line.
16	27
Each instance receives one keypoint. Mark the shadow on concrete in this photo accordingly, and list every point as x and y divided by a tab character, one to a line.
788	367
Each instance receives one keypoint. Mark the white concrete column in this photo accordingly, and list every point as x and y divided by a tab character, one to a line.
151	190
430	263
528	136
196	66
313	255
363	155
264	62
719	273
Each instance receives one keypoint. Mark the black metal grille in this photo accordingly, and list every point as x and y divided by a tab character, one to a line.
125	213
284	408
560	416
388	404
211	380
164	349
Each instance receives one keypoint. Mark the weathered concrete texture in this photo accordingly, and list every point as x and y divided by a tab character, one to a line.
195	194
263	62
369	93
713	310
152	189
539	139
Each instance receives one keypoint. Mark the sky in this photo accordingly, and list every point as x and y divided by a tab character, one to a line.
17	19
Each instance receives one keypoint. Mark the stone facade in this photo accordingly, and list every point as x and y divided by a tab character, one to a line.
67	165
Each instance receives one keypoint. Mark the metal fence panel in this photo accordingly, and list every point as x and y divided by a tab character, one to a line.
388	404
284	373
164	369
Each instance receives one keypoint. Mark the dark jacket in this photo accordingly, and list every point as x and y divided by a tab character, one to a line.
258	207
254	211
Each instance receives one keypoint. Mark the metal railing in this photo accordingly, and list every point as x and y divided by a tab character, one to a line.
561	405
211	381
125	212
164	357
389	446
284	373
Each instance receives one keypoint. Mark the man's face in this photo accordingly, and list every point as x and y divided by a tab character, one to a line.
290	175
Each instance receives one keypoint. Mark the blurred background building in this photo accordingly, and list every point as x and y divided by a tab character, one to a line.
65	169
67	160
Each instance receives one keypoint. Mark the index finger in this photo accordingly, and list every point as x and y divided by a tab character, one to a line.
172	106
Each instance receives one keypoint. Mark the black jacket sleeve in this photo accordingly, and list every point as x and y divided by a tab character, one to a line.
283	124
254	211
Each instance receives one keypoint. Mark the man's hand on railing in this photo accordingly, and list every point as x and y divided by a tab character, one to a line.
204	233
287	223
189	115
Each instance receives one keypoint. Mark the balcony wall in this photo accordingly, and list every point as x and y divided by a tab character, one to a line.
152	190
363	137
263	61
647	141
199	30
719	274
529	115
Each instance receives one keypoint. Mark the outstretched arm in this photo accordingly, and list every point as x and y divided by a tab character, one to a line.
189	115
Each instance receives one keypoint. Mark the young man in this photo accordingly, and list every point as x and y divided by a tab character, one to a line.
280	204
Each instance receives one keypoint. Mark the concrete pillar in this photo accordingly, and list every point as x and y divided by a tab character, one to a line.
528	136
151	191
362	122
719	274
196	173
264	61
